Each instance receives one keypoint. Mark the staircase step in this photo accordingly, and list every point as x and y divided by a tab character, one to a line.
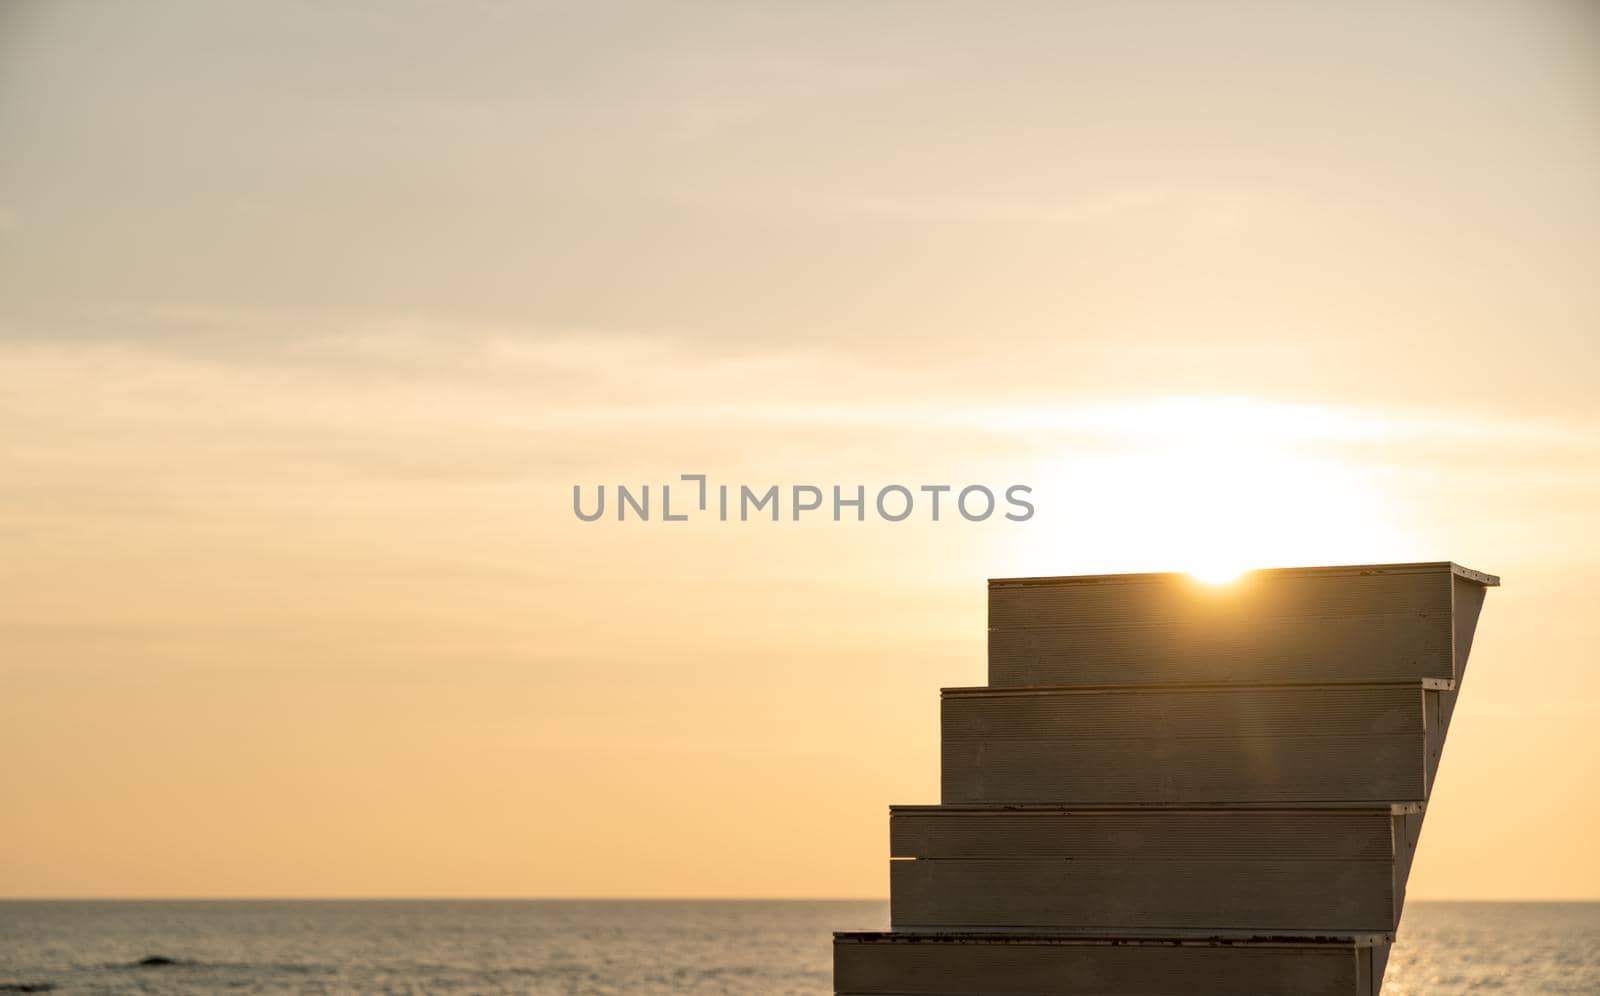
1193	744
935	964
1359	623
1150	869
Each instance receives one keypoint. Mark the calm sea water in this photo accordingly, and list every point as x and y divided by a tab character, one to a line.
634	947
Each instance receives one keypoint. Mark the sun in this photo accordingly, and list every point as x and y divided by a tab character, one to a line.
1211	487
1218	573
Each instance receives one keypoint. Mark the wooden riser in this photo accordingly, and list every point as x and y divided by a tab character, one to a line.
1150	870
1153	897
955	965
1356	624
1305	744
1152	833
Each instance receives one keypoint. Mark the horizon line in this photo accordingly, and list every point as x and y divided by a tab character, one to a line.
581	899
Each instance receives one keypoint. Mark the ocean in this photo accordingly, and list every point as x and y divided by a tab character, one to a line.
635	948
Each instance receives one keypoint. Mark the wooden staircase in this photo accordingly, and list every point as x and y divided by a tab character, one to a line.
1169	788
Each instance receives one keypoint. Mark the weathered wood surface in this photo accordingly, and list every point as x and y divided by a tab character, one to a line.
1359	624
956	965
1152	897
1149	869
1255	744
1152	833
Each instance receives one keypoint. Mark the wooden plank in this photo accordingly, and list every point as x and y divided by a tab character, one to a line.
1261	744
1370	623
1373	961
1407	829
1152	897
1467	605
964	965
1148	834
1148	868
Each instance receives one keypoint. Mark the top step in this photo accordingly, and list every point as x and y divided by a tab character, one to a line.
1375	622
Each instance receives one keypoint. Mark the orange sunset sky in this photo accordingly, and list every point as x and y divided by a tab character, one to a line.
312	316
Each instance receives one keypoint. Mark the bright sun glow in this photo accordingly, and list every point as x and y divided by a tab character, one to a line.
1218	573
1212	487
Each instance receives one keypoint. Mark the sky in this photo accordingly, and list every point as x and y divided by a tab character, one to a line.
313	315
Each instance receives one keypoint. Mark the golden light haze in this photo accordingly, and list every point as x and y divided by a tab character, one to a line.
311	316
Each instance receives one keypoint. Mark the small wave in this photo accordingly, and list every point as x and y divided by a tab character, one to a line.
27	987
160	961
